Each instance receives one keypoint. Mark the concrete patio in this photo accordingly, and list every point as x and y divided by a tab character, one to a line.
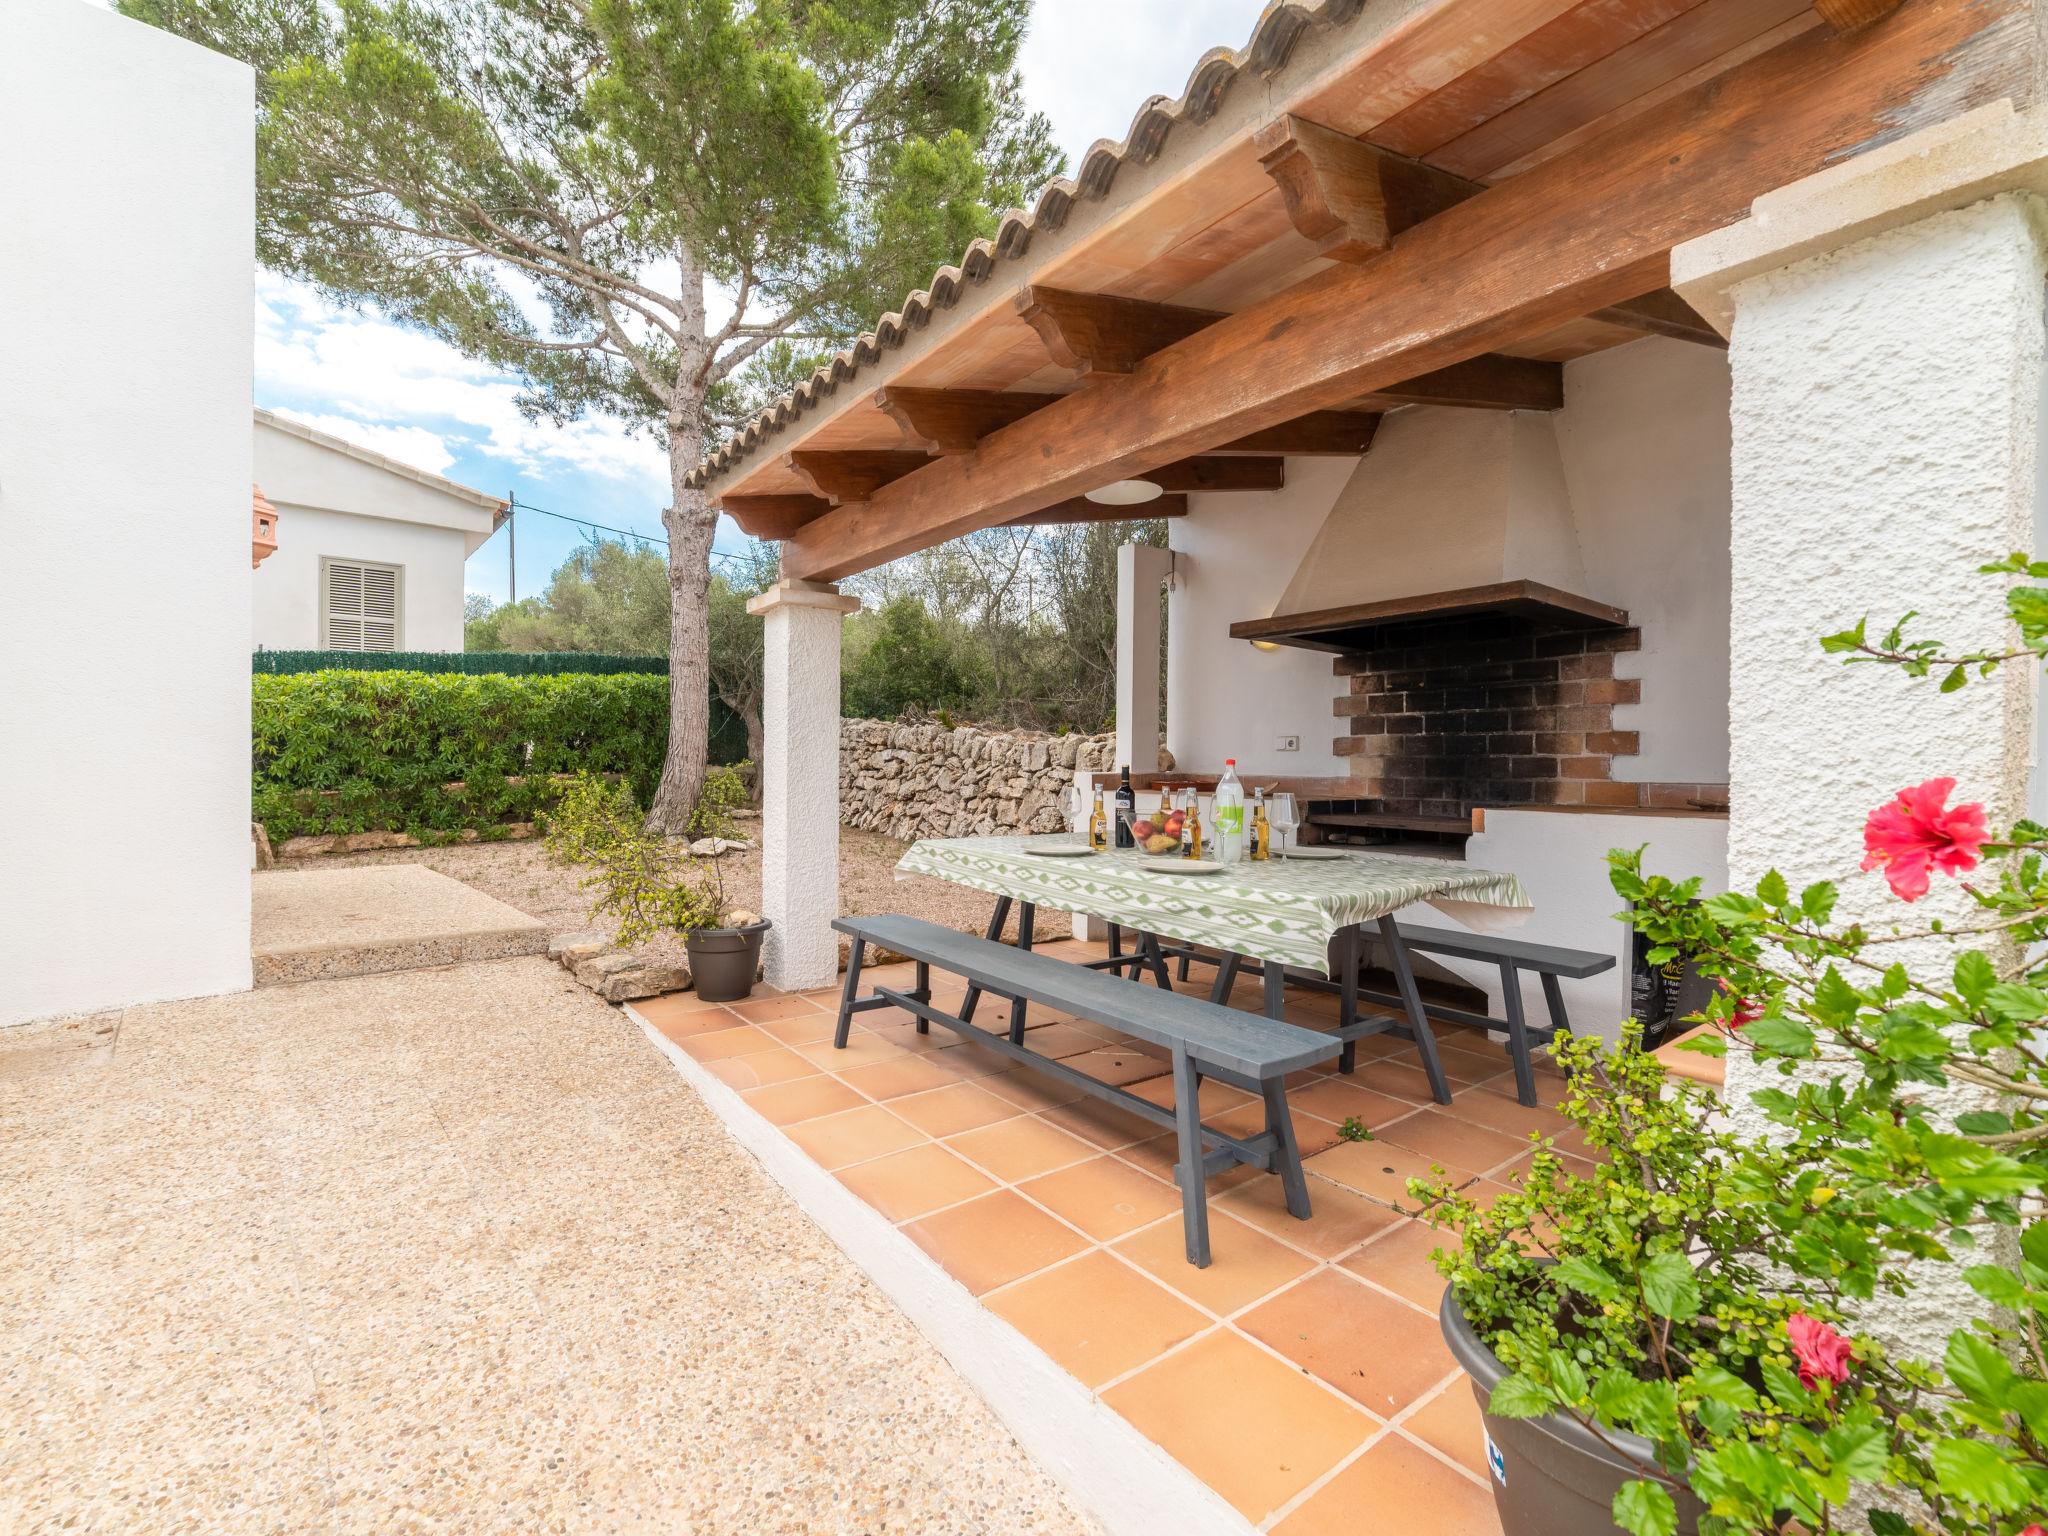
448	1249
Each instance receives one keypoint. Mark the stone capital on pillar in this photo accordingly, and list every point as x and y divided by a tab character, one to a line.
800	623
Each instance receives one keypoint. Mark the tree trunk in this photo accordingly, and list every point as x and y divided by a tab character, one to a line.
691	521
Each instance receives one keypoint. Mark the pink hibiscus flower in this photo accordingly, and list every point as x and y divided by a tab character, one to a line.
2033	1530
1917	832
1820	1350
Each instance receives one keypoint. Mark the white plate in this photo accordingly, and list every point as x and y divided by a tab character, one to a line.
1063	851
1168	865
1310	853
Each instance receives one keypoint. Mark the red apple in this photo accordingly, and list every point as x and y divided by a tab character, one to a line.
1141	830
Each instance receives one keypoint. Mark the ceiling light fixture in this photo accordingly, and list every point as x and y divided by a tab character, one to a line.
1124	493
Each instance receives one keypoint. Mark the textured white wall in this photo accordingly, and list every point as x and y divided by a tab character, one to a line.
287	584
1886	413
126	296
1644	439
801	622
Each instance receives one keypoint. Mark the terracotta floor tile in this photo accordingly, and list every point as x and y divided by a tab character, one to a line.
1378	1170
1250	1427
698	1021
759	1068
1103	1197
1400	1262
1097	1317
1216	1098
1502	1112
1473	1061
1313	1135
670	1006
973	1062
1379	1352
892	1079
1338	1098
1104	1124
807	1028
1117	1067
803	1099
1244	1263
1030	1090
717	1044
1450	1421
861	1050
954	1108
1338	1219
900	1030
761	1010
1400	1077
853	1136
1457	1144
1395	1489
1020	1148
994	1240
1060	1040
910	1183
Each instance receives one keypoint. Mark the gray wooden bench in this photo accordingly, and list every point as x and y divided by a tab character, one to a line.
1205	1039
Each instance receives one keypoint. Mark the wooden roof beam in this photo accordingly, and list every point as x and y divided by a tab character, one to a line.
1210	473
1662	313
1590	227
843	475
1350	197
954	420
1079	509
1489	383
773	517
1100	335
1328	434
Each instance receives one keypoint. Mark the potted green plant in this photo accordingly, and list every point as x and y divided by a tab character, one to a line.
649	885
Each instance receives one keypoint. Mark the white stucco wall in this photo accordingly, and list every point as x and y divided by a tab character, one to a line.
338	501
1644	440
126	301
1225	697
286	585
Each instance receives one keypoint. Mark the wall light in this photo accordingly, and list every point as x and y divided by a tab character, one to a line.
1265	645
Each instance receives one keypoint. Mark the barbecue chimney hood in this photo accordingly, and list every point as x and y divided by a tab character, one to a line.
1453	513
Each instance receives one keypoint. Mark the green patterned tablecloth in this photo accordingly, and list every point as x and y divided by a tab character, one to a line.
1282	910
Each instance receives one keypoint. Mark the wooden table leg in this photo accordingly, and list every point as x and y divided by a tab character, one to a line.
1347	1009
1276	988
1411	998
1194	1192
1226	976
996	920
1518	1033
1027	919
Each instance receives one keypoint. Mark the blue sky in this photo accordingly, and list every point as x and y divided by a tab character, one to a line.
1087	64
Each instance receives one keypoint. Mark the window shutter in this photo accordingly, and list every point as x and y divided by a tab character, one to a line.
360	610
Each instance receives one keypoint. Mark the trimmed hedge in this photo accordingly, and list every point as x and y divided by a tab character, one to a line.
469	663
385	747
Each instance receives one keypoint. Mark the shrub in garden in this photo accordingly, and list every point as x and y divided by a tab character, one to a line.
1708	1292
434	754
647	883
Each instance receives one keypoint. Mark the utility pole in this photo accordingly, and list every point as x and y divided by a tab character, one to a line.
512	548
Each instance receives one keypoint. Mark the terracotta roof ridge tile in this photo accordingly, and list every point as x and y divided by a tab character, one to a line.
1271	44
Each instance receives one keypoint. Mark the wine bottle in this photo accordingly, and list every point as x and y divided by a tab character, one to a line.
1126	800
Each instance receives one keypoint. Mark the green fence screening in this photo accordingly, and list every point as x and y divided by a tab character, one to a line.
510	663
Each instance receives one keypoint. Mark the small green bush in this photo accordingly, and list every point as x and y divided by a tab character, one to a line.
647	883
435	755
469	663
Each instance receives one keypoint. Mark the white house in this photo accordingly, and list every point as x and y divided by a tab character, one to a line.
370	551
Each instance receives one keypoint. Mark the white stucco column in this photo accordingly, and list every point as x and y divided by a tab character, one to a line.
1140	568
800	779
1886	413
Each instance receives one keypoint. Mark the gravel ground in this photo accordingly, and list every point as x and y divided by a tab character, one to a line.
442	1250
520	875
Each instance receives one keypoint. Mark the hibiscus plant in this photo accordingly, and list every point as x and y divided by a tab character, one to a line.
1718	1294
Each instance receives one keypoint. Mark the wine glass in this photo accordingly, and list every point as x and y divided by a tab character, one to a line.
1280	817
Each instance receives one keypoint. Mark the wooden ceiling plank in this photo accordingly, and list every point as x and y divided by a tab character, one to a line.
1330	434
1209	472
844	475
1101	336
1351	198
1582	36
1848	15
1493	382
1700	34
1078	509
773	517
1578	233
1662	313
953	420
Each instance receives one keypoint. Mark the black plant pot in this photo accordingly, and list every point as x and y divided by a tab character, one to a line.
725	961
1552	1476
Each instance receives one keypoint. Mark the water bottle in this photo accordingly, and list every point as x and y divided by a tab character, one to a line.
1228	814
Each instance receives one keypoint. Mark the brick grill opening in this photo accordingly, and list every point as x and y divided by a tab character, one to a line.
1494	710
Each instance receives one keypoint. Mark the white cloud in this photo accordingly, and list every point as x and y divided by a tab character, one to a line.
416	446
380	377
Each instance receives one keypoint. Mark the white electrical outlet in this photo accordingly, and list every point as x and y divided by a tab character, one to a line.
1288	744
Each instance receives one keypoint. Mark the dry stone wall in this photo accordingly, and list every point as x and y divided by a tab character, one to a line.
910	781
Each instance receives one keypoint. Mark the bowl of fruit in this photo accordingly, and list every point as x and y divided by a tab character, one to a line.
1159	832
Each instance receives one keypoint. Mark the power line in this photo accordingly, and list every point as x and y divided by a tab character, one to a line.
624	533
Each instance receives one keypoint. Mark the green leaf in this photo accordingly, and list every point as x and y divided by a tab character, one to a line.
1953	679
1567	1379
1977	1472
1519	1397
1979	1369
1856	1450
1834	999
1975	977
1670	1286
1711	1381
1772	890
1583	1275
1645	1508
1779	1037
2034	1244
1996	1284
